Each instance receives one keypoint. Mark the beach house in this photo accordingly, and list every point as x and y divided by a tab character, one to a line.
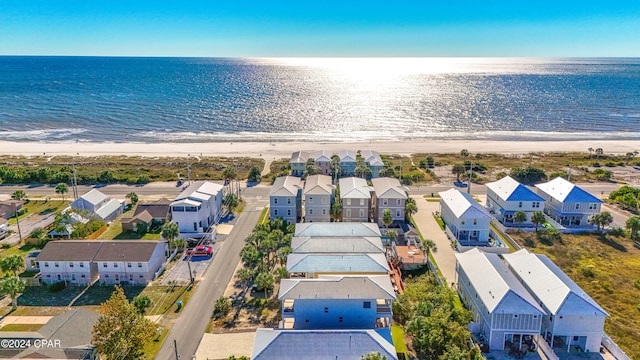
129	262
506	196
373	160
197	207
388	194
318	198
289	344
99	205
337	302
337	229
285	199
322	159
298	162
355	197
316	264
567	203
572	319
348	161
504	312
465	219
336	244
69	261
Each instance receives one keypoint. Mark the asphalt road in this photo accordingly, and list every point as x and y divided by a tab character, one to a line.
192	323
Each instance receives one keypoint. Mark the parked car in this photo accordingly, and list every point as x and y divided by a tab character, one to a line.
201	250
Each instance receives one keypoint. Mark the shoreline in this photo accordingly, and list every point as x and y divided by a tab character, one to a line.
278	150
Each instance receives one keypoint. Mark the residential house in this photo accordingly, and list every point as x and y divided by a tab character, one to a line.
348	161
68	336
355	196
572	317
337	302
314	265
4	228
9	207
99	205
506	196
70	261
373	160
318	197
568	204
134	223
30	260
285	199
160	210
464	217
337	245
507	314
197	208
284	344
322	159
337	229
129	262
388	195
298	162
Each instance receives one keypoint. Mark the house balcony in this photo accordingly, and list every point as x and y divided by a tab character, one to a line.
287	309
383	307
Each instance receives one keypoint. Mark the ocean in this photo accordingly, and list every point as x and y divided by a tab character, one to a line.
148	100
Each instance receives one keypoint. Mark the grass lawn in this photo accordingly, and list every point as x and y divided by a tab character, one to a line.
17	250
397	335
39	310
152	347
264	217
114	231
40	296
440	222
40	207
608	269
21	327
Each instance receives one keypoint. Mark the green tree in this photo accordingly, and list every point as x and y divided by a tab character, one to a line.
229	173
231	201
410	208
335	167
133	197
387	219
392	235
13	263
457	170
250	256
464	153
106	177
601	220
245	275
519	217
121	331
336	211
599	152
311	169
222	307
280	273
254	174
633	225
62	189
374	356
170	231
590	152
18	195
265	281
501	175
12	286
538	219
142	303
528	175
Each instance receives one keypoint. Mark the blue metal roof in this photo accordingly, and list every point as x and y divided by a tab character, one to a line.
522	193
579	195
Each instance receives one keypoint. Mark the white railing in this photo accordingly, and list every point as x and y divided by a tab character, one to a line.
613	348
546	350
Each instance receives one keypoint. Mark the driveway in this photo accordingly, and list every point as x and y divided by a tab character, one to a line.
27	225
199	264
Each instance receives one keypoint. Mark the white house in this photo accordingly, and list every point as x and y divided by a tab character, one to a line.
467	220
355	196
318	197
285	199
572	317
129	262
337	302
336	244
388	195
314	265
99	205
337	229
197	207
506	312
70	261
287	344
506	196
568	204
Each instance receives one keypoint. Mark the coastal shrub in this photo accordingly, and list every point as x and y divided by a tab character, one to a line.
501	175
617	231
528	175
596	164
626	196
562	174
602	175
223	306
143	179
636	284
588	271
254	174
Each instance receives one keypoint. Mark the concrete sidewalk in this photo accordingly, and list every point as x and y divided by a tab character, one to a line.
24	320
430	229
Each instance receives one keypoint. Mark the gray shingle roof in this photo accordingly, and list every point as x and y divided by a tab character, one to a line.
318	185
354	188
119	250
286	186
69	250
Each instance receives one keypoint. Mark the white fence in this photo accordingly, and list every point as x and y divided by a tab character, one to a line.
613	348
546	350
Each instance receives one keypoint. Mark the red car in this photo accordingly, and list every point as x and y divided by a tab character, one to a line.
201	250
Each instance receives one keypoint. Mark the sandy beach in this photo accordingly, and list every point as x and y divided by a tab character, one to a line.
277	150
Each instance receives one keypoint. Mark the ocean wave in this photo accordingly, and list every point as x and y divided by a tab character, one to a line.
41	134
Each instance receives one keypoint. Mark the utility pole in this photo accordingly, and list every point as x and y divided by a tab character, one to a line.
189	169
469	180
15	211
175	347
75	183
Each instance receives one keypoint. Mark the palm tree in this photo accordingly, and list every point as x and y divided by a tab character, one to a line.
458	169
605	219
133	197
410	208
599	152
335	168
170	231
12	286
538	219
265	281
392	235
336	211
61	189
13	263
387	219
18	195
464	153
590	152
520	217
633	225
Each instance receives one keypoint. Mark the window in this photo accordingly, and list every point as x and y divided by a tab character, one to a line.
397	213
385	202
348	213
46	264
366	305
361	202
535	204
288	200
275	200
324	199
81	264
575	338
592	206
104	265
140	265
475	221
275	212
56	264
195	226
71	264
141	276
577	206
324	211
520	204
310	211
340	319
288	212
128	264
462	222
326	310
310	200
83	276
398	202
361	212
48	275
515	316
348	202
107	276
73	277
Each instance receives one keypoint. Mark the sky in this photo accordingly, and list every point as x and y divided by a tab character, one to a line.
328	28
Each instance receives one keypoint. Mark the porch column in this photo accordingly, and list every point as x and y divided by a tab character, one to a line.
568	343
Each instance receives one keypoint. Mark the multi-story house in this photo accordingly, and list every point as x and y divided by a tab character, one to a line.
336	245
348	161
99	205
568	204
285	199
355	196
313	265
130	262
197	207
298	162
572	317
506	196
69	261
322	159
373	160
337	229
337	302
388	195
467	220
318	197
506	312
